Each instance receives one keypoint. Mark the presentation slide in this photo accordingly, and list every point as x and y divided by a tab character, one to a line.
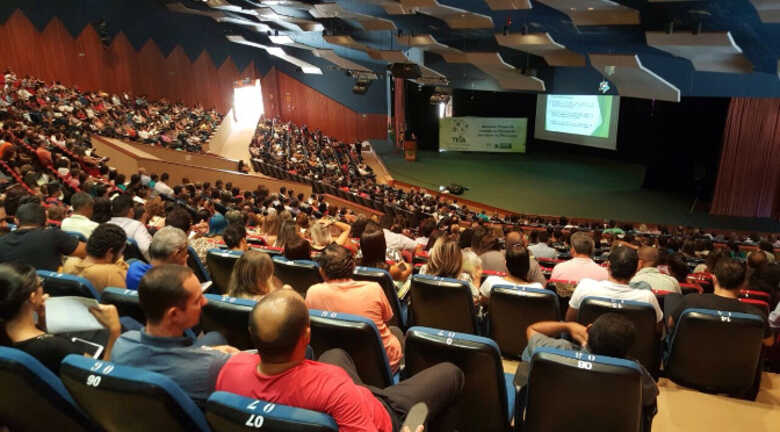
578	119
483	134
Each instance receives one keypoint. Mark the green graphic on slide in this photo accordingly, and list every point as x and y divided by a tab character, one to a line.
605	107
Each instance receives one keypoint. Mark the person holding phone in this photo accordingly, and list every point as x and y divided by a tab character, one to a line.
23	323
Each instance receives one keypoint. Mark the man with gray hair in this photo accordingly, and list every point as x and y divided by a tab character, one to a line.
580	266
80	221
169	246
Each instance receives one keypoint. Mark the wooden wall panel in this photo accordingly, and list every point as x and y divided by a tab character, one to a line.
55	55
270	87
303	105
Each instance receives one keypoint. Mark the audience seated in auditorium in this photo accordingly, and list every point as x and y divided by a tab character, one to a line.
610	334
32	244
729	279
623	262
23	322
297	248
279	372
180	218
581	265
104	265
540	248
340	293
80	221
169	246
321	235
253	276
446	260
518	264
234	237
375	254
123	210
494	260
649	273
171	298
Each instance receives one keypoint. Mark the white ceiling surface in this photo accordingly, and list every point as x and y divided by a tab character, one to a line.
454	17
428	43
334	10
709	52
341	62
508	77
508	4
595	12
768	10
542	45
632	79
279	53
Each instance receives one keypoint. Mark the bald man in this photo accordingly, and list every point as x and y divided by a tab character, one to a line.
279	326
649	273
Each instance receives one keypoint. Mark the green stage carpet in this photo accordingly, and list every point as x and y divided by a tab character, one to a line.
574	186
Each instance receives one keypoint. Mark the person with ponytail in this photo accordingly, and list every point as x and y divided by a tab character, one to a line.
22	319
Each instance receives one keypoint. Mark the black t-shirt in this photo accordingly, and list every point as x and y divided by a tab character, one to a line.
40	248
49	349
716	302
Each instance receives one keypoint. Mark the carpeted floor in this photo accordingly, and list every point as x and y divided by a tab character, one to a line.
554	184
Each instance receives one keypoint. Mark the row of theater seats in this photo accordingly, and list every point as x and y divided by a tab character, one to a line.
93	395
709	350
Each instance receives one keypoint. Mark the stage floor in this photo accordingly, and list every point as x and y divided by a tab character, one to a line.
555	184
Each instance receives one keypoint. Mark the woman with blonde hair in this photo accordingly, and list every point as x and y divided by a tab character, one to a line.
252	276
271	225
446	260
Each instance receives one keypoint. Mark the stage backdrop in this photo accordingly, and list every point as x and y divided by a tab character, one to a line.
483	134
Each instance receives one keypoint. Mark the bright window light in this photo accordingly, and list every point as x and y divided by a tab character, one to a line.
442	108
248	103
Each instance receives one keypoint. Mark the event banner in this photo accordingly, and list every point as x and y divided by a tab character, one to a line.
483	134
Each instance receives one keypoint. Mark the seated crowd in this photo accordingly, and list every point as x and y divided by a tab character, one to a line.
88	227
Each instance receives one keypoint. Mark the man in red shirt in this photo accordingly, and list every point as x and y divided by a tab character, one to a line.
280	373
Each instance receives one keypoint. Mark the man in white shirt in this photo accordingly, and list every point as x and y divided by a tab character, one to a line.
122	209
541	249
161	187
648	259
80	221
581	266
623	263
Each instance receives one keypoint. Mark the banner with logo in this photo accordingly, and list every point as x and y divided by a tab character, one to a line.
483	134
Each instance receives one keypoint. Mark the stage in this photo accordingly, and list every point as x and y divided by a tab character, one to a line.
558	184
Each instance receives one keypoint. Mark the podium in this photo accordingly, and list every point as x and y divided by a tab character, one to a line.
410	150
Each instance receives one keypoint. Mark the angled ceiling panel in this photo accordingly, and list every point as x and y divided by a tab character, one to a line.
633	79
508	4
508	77
279	53
768	10
391	7
339	61
709	52
595	12
542	45
348	42
428	43
455	18
334	10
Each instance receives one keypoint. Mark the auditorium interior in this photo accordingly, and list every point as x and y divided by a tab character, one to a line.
390	215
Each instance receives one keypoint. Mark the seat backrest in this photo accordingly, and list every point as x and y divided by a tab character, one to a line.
230	317
755	295
647	345
595	393
220	264
133	252
443	303
513	308
270	250
299	274
760	304
61	285
563	288
194	262
228	412
129	399
383	278
715	351
484	404
33	398
356	335
690	288
126	302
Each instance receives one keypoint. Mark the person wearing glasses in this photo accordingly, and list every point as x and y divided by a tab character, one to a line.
22	300
169	246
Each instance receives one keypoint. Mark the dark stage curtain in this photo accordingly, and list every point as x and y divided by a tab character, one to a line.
749	176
